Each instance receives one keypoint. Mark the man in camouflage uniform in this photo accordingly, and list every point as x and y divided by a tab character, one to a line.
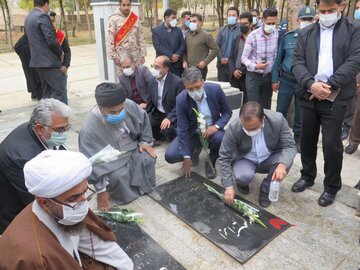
283	80
134	42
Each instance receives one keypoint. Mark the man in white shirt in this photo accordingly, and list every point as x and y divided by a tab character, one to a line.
326	83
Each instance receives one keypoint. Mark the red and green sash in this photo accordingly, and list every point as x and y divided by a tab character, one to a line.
125	29
60	36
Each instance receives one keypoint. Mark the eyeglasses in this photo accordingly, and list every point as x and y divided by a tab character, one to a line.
89	194
59	130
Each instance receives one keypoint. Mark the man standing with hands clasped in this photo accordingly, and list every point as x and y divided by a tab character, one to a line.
326	81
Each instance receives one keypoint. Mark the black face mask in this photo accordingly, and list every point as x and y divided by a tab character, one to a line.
244	28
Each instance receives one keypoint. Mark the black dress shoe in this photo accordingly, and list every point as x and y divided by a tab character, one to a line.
301	185
243	189
209	172
351	148
345	133
326	199
264	199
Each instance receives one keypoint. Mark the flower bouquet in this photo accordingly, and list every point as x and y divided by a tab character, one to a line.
244	208
107	154
204	142
122	215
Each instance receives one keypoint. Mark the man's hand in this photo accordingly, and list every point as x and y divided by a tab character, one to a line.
149	149
63	69
261	66
143	105
320	90
185	65
116	62
210	131
103	201
275	87
224	61
229	195
279	173
175	57
202	64
165	123
142	60
237	74
187	167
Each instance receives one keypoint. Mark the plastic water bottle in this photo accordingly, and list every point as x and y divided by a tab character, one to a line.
274	191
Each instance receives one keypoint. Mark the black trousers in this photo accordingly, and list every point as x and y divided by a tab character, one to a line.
223	74
258	88
329	117
241	84
156	117
53	83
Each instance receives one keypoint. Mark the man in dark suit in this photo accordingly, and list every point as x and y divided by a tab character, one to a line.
210	100
162	106
46	53
168	40
46	129
326	81
136	80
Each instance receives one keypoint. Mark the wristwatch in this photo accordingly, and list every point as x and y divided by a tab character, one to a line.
217	126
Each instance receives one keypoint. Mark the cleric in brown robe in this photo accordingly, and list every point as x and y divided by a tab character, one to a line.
58	231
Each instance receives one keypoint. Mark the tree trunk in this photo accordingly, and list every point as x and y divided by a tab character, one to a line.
352	6
220	11
156	12
88	21
236	3
293	8
282	10
77	7
5	22
6	4
63	18
242	6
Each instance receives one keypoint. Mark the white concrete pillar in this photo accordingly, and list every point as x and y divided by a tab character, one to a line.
101	12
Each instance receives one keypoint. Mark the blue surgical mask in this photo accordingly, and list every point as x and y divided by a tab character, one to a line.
57	139
357	14
187	23
231	20
115	118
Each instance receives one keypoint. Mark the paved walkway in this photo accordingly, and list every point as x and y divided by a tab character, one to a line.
322	238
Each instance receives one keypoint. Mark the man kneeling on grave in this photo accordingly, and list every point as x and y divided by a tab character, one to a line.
121	123
260	142
57	230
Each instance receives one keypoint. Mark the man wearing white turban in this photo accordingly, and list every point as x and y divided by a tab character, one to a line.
48	128
61	232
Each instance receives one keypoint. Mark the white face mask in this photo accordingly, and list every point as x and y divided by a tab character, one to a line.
173	22
128	71
196	94
74	216
303	24
254	20
155	73
193	26
328	20
269	28
252	133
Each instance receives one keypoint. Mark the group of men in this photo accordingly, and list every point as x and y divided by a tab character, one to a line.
45	185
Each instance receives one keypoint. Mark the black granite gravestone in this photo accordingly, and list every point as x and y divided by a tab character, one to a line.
141	248
190	200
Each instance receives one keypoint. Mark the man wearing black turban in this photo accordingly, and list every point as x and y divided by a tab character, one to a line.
121	123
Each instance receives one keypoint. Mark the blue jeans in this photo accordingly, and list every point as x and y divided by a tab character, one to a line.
285	95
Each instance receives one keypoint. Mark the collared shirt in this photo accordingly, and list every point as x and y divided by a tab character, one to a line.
204	109
325	64
259	151
257	46
136	93
229	40
161	83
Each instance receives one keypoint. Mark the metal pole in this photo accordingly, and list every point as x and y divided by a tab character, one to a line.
165	5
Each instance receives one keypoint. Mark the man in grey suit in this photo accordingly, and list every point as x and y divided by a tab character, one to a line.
136	80
260	142
162	106
46	53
